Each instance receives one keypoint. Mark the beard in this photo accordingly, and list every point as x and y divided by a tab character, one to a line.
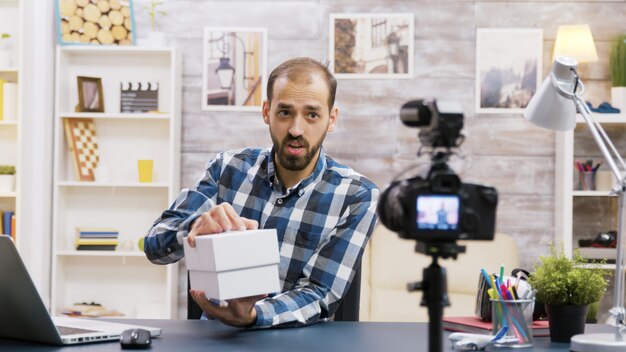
295	162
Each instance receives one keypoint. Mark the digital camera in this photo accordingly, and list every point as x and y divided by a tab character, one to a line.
438	207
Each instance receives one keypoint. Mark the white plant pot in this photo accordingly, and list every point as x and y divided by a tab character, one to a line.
7	183
154	40
5	58
618	98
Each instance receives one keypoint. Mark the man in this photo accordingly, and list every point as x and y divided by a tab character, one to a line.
323	212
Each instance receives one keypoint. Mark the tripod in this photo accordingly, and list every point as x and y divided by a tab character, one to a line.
435	288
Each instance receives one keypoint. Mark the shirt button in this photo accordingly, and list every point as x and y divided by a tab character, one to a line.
279	201
301	192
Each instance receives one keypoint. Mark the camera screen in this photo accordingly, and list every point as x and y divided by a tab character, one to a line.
437	212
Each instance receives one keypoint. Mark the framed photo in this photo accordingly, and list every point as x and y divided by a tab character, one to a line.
508	68
234	68
90	94
107	22
371	45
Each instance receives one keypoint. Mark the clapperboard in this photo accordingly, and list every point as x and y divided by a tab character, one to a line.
139	96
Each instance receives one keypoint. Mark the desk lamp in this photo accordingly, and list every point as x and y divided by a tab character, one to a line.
554	107
575	41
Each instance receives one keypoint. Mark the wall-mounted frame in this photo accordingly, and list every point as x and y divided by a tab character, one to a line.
107	22
90	96
371	45
508	68
234	68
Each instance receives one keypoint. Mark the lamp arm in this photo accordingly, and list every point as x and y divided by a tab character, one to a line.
602	140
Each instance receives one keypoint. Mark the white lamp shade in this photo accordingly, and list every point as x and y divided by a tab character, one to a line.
549	109
575	41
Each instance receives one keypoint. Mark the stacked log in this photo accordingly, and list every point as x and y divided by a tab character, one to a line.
96	21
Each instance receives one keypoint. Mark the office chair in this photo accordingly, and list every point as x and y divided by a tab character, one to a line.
348	309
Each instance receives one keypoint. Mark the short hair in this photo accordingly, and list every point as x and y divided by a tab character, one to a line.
295	69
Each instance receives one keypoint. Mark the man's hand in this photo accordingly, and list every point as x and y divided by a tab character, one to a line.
220	218
240	312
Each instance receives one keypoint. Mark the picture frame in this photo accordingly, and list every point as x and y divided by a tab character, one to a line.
371	46
107	22
90	97
234	68
508	68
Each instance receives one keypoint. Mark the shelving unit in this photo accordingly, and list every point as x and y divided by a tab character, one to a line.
123	280
595	211
10	130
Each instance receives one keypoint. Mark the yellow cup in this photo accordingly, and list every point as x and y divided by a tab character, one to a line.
145	170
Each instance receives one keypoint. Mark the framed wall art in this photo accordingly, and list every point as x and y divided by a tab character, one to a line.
508	68
371	45
90	97
108	22
234	68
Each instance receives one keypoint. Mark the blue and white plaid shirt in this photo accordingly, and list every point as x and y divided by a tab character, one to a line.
323	224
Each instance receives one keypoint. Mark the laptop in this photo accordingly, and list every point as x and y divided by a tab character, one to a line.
23	316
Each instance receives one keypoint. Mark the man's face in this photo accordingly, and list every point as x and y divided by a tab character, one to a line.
299	117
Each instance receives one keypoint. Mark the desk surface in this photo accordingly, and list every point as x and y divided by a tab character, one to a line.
197	335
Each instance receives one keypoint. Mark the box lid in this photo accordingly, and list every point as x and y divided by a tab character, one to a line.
233	250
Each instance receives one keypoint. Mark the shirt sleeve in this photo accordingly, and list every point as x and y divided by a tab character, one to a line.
328	273
164	242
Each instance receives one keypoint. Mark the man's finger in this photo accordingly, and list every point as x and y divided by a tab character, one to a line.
250	224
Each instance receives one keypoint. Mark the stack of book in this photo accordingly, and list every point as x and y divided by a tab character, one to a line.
96	238
475	325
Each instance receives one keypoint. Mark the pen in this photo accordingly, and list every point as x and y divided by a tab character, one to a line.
502	272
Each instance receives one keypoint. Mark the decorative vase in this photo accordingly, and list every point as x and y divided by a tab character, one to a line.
566	321
618	98
7	182
155	39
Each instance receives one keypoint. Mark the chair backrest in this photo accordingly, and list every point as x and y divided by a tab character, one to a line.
193	309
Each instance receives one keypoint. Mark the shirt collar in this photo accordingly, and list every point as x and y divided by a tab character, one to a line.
313	178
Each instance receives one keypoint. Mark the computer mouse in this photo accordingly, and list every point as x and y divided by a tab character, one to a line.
135	339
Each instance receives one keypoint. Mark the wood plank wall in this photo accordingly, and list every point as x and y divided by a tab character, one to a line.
504	151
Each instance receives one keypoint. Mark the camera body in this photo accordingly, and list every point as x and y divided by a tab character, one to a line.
438	207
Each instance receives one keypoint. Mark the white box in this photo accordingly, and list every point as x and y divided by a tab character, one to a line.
234	264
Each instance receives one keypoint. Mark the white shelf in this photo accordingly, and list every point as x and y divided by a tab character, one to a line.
565	173
8	195
592	194
77	253
112	184
115	116
8	123
124	280
14	70
604	118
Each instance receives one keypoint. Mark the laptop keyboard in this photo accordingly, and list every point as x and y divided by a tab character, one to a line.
66	330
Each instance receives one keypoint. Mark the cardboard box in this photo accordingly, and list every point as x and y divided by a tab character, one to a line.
234	264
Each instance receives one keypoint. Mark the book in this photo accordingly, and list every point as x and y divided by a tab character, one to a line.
7	222
476	325
13	227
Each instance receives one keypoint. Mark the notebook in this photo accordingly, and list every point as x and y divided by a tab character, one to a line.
23	316
475	325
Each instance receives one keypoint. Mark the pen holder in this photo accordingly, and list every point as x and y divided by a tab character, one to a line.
587	180
517	316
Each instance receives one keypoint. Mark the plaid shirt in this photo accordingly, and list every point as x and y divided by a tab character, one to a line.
323	224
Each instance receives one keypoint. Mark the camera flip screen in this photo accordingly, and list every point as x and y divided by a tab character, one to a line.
437	212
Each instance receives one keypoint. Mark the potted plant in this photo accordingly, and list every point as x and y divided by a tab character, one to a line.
5	50
617	63
7	178
155	38
567	286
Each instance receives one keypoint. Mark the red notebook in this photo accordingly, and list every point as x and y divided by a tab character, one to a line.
476	326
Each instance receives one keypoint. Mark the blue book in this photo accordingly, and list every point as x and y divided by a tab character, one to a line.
6	220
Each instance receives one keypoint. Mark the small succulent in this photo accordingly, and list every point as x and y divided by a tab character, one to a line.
7	170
